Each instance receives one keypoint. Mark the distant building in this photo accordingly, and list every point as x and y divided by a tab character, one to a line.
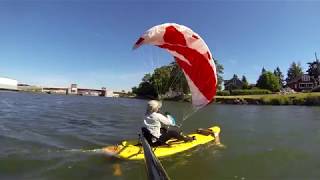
73	89
119	94
55	90
233	83
8	84
90	92
304	82
109	93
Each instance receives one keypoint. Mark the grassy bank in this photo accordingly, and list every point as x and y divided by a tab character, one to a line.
312	99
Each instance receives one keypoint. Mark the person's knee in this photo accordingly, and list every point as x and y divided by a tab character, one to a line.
145	131
173	133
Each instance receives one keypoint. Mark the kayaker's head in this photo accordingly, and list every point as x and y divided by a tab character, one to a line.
153	106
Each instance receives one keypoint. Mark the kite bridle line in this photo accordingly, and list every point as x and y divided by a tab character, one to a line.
159	86
153	61
186	116
176	77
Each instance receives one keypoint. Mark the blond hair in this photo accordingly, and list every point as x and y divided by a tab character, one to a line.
153	106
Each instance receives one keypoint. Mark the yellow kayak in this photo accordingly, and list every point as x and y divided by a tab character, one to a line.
132	150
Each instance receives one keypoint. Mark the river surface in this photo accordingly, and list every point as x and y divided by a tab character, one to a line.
53	137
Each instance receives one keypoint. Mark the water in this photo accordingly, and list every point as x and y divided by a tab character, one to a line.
52	137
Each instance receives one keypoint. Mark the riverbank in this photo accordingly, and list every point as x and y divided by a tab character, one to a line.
310	99
307	99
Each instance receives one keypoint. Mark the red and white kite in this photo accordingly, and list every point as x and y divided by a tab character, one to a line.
192	55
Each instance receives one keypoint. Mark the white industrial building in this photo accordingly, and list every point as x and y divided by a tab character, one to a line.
109	93
8	84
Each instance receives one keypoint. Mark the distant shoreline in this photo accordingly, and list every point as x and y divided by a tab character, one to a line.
302	99
306	99
11	90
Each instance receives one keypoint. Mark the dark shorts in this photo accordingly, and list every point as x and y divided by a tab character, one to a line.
166	134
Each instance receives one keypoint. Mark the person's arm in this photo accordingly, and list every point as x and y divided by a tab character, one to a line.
164	120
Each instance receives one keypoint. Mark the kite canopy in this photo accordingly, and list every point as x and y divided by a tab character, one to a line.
191	54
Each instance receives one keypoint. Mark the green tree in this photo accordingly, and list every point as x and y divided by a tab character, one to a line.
146	78
178	81
268	81
220	69
134	90
314	68
145	88
245	82
160	79
277	72
294	71
168	77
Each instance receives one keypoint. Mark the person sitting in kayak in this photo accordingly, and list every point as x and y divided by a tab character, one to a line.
152	129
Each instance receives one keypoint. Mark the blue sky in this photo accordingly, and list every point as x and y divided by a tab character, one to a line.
55	43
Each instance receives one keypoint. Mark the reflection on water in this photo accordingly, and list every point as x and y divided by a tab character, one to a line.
59	137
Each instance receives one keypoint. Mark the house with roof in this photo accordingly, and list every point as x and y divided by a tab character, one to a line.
304	82
233	83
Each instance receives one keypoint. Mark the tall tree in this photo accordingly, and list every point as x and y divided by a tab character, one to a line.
294	71
279	74
235	76
263	70
314	68
146	78
268	81
145	88
160	79
178	81
245	82
220	69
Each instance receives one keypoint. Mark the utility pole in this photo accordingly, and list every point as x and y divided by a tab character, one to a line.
315	54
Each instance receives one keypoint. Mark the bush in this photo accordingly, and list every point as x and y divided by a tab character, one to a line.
250	92
223	93
316	89
254	91
276	100
281	100
298	100
268	80
312	100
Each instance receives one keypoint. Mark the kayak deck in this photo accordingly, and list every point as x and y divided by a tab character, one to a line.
131	150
